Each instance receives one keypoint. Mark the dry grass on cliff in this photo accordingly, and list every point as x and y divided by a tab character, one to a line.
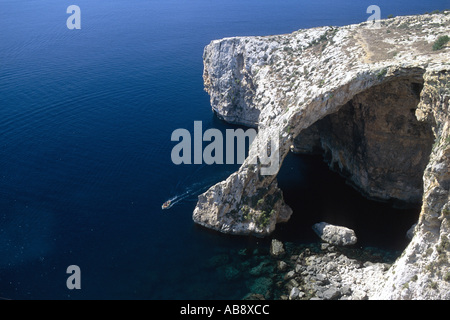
396	38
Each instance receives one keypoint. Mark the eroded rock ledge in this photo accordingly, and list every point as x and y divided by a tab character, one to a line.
375	101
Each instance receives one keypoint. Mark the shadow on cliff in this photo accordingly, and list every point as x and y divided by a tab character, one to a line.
316	194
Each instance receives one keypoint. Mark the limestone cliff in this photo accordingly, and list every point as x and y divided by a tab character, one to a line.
373	100
423	270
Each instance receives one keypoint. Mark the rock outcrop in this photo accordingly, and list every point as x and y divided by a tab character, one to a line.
335	235
374	101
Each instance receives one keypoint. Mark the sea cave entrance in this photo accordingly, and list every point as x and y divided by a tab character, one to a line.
377	151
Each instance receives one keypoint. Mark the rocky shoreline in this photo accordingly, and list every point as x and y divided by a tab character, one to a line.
333	274
315	271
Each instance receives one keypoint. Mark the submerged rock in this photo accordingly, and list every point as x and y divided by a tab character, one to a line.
229	272
218	261
281	265
262	286
277	248
335	235
254	296
263	268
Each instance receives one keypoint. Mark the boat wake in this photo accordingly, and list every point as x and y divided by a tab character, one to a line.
193	190
190	194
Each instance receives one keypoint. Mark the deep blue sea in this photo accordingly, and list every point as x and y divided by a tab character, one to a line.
86	118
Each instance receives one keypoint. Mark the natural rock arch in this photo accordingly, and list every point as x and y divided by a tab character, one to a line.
284	84
249	203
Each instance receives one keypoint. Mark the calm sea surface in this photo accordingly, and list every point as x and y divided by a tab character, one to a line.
86	118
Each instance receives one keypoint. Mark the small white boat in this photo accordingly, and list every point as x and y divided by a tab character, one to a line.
166	205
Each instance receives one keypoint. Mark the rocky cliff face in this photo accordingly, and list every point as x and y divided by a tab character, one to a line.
373	101
423	270
376	142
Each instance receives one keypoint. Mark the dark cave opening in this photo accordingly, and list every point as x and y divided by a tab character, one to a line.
377	152
316	194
